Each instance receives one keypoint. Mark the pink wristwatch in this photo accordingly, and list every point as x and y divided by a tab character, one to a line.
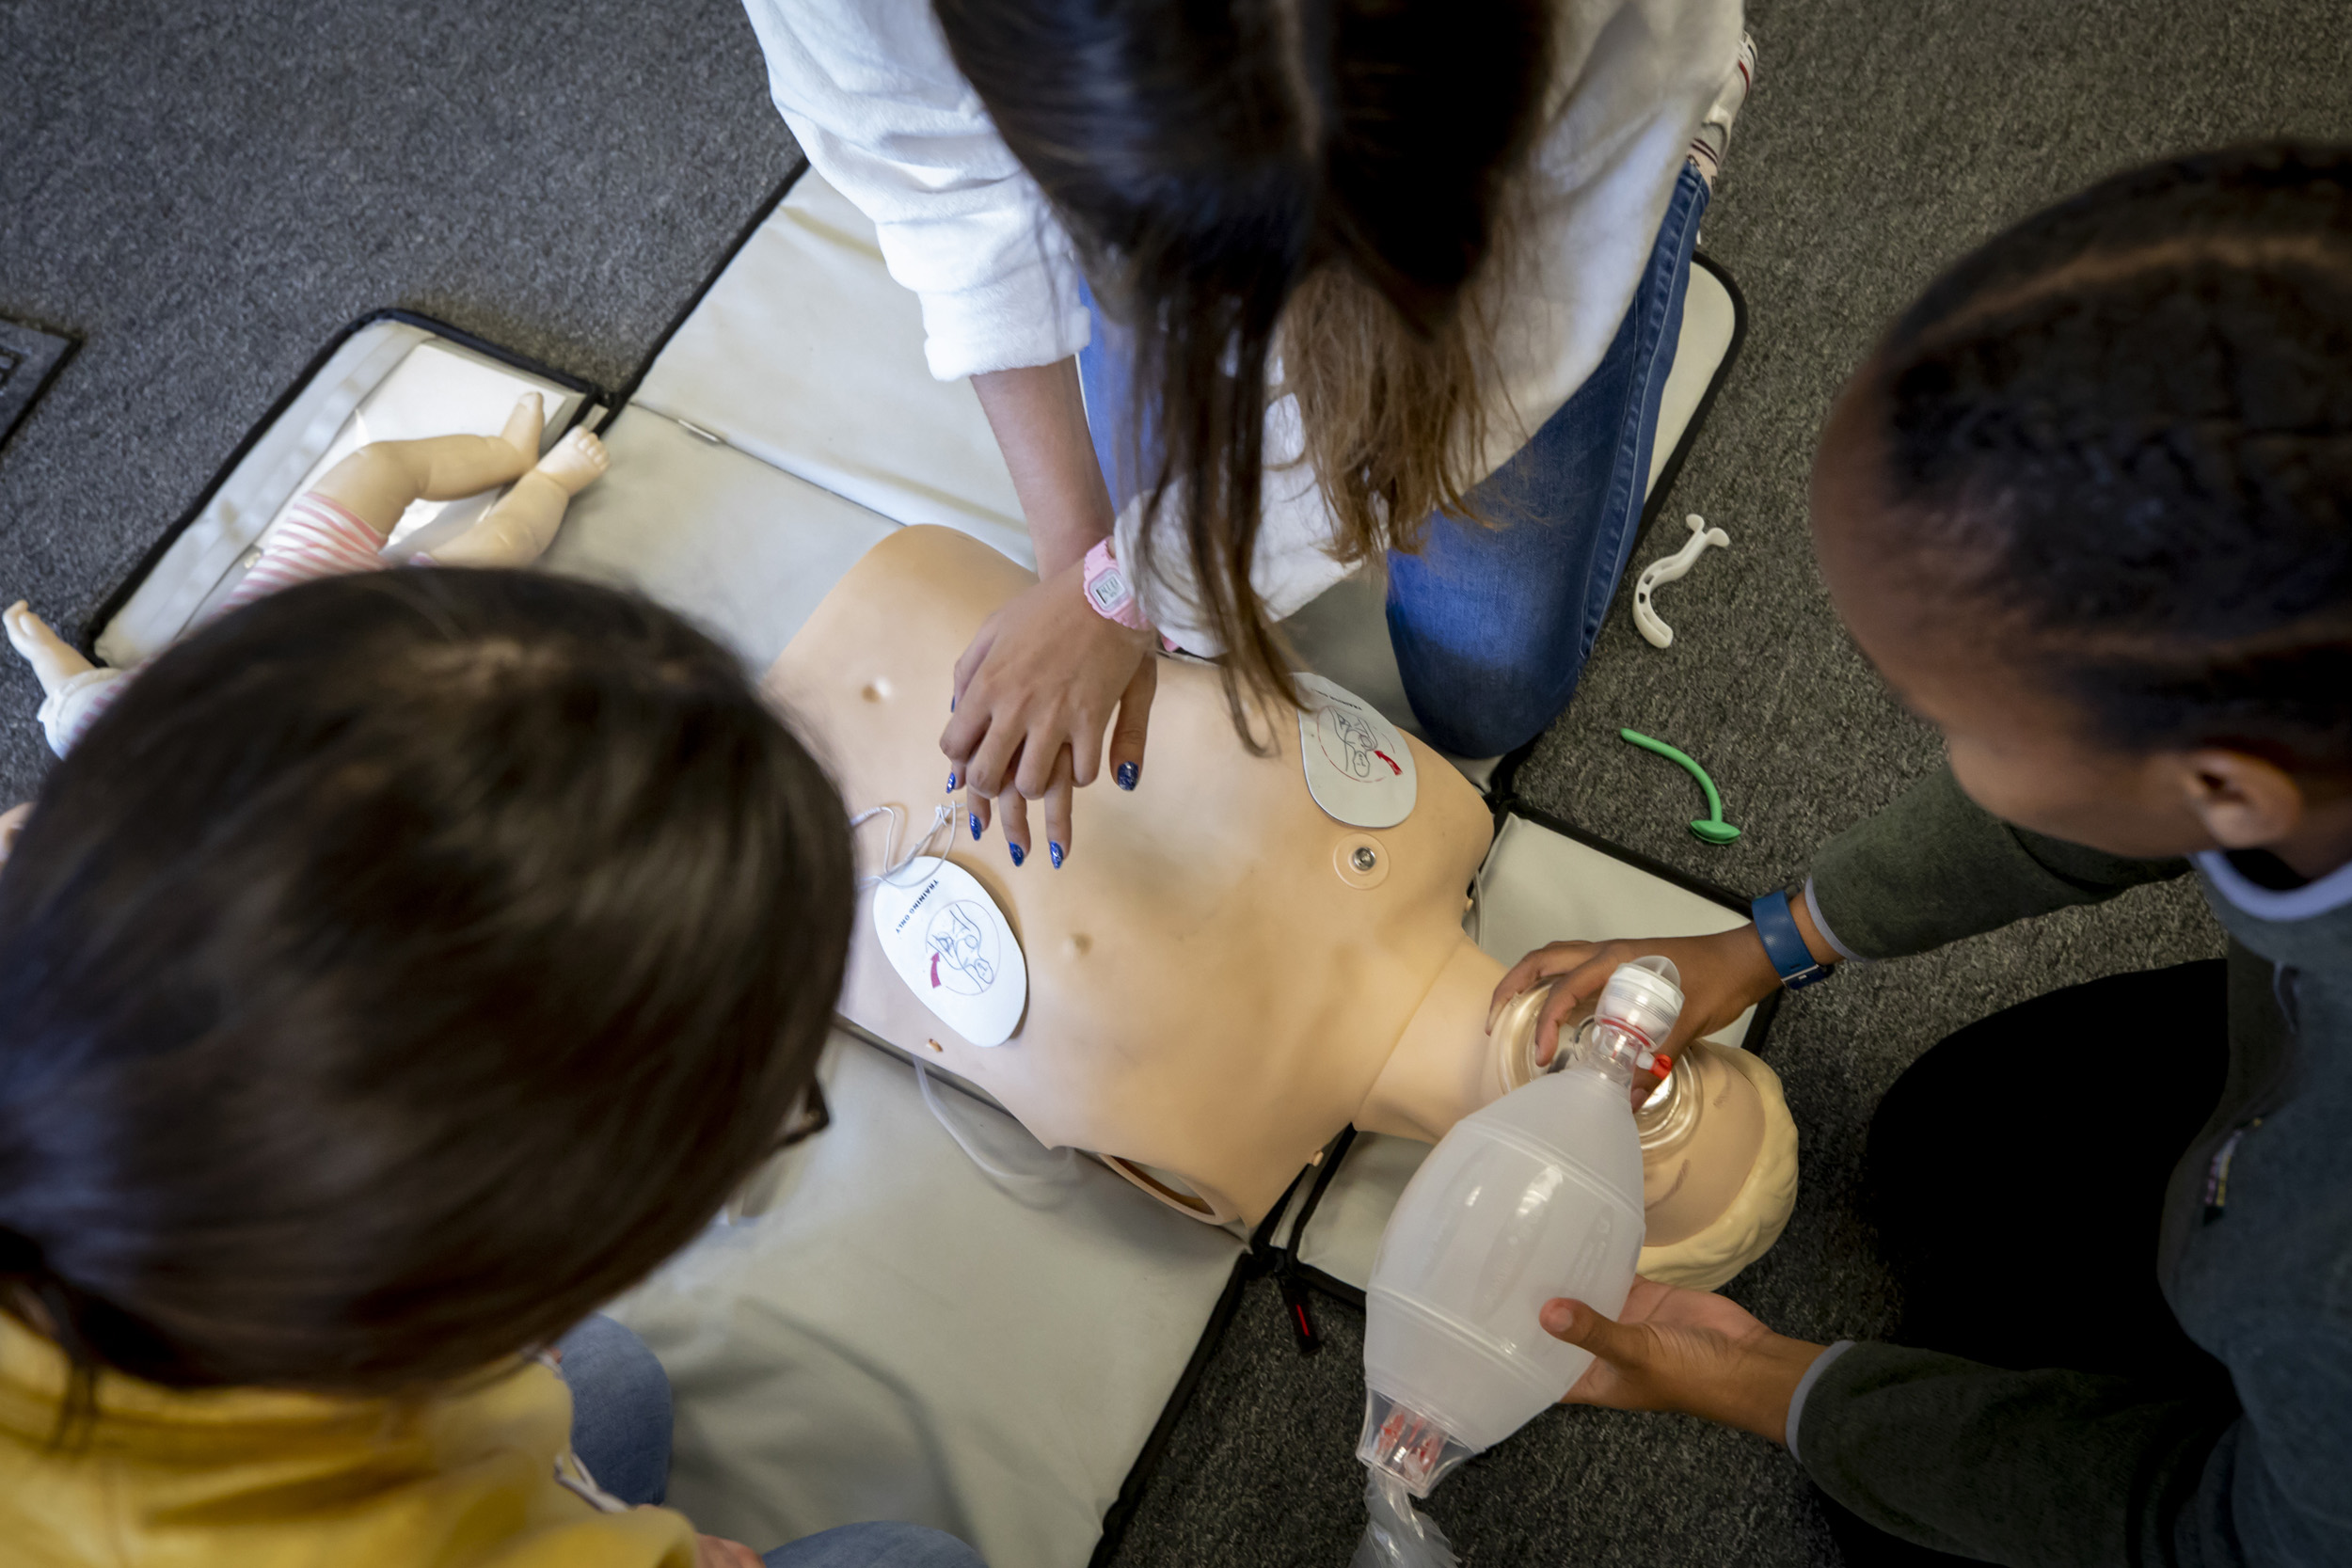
1109	591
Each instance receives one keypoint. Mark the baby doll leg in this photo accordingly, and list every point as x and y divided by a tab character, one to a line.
523	523
376	483
340	525
364	494
75	690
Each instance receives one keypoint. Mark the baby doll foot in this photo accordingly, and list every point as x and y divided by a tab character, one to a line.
523	427
55	661
523	523
575	462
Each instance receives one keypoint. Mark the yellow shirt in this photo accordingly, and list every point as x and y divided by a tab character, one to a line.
252	1477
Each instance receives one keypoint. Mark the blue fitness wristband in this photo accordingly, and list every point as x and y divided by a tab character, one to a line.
1784	944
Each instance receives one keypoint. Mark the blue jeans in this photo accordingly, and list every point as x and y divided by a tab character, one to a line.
621	1432
1492	625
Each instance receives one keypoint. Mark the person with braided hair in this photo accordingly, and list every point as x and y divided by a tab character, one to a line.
2088	510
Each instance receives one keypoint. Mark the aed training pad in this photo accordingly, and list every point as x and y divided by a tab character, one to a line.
28	357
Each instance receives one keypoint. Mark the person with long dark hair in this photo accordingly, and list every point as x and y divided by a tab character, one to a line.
404	965
1260	292
2088	508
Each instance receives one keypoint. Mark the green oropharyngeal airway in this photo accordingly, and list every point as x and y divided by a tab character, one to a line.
1711	828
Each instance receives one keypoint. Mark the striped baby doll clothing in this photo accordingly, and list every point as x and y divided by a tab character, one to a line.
318	537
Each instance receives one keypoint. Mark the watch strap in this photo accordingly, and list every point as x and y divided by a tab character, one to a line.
1776	926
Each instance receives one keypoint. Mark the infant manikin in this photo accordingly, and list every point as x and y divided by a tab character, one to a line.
1221	976
341	525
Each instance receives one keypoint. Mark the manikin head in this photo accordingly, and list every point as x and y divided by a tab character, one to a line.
406	964
2088	510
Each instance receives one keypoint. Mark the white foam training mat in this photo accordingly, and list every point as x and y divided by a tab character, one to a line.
890	1333
744	549
806	354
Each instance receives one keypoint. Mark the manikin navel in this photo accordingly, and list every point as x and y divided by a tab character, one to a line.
1221	976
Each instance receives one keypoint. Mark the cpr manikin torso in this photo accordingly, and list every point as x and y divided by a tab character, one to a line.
1219	978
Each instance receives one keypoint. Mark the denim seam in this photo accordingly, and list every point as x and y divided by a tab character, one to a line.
1688	204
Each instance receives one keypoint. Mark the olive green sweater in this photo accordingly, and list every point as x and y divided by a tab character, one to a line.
2056	1466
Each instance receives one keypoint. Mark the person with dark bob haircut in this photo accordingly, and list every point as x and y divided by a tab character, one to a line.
1258	292
2088	510
404	966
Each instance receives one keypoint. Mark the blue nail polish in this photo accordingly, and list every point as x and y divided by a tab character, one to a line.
1053	849
1128	774
976	824
1015	851
952	781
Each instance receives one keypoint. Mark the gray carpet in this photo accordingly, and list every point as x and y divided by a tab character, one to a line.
205	192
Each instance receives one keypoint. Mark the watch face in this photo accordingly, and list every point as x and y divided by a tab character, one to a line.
1107	589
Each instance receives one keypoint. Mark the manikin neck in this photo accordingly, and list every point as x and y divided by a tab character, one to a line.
1441	1031
1443	1065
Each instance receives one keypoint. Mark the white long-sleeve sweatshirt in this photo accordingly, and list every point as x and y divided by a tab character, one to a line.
876	103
